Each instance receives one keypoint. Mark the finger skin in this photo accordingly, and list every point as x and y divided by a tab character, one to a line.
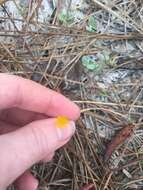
16	116
7	128
26	182
49	157
25	94
26	146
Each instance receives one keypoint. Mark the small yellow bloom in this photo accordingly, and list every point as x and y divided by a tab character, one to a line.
61	121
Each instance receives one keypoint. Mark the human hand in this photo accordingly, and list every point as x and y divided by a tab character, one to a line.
27	128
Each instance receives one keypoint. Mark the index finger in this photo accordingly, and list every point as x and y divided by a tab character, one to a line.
22	93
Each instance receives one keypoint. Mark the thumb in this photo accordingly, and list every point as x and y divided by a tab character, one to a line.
28	145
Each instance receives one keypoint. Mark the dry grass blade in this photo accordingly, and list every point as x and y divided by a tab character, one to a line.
123	18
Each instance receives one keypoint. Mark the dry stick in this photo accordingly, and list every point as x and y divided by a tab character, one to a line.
77	58
135	100
117	15
47	67
9	52
78	44
75	177
11	55
101	119
65	50
84	33
58	81
129	36
103	180
79	146
81	150
137	155
48	75
55	170
107	181
104	109
29	17
26	45
68	157
139	83
134	181
56	56
94	154
131	163
50	26
92	148
107	104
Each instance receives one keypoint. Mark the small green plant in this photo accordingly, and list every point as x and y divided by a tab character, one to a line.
91	24
89	63
105	58
98	61
103	93
141	163
65	17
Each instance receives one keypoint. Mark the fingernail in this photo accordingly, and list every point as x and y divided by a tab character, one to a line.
66	132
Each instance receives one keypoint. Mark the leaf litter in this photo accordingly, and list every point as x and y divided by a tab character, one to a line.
91	51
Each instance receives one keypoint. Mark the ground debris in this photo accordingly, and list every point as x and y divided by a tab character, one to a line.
87	187
91	52
117	140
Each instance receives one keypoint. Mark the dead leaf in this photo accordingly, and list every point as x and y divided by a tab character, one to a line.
2	1
118	139
87	187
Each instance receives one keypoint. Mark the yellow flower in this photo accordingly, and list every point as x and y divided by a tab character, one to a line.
61	121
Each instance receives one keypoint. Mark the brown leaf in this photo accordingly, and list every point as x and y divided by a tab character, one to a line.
87	187
2	1
118	139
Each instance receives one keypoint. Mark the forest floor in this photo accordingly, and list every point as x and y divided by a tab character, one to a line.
92	52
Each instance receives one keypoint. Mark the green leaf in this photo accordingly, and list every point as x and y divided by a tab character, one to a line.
103	93
91	25
104	58
141	162
62	17
91	22
89	29
89	63
66	17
